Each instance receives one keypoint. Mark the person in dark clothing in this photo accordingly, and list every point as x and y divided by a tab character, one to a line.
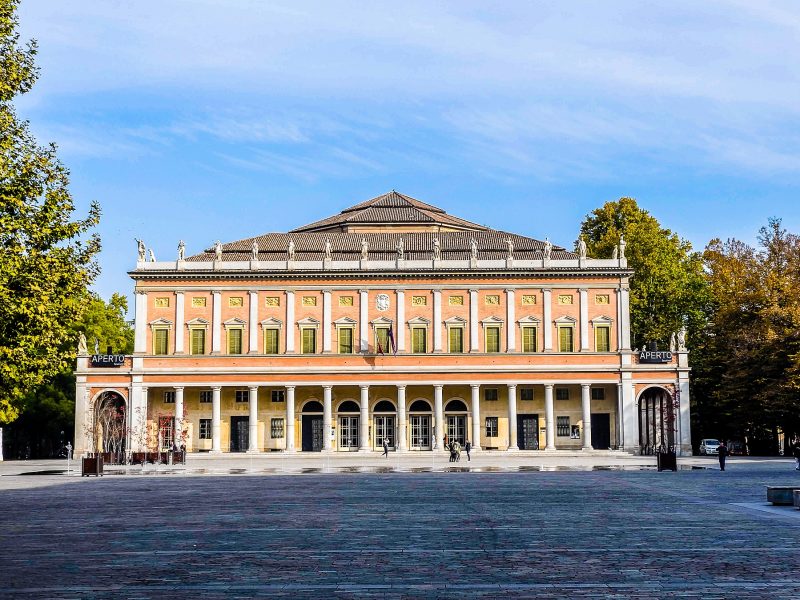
385	447
796	454
467	448
723	454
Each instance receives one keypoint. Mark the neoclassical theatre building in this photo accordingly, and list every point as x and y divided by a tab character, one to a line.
390	320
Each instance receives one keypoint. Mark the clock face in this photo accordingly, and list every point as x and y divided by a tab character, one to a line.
382	302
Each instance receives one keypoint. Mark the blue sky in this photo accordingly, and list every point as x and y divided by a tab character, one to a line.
221	119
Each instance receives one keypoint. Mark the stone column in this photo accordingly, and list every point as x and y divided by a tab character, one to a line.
437	320
402	419
290	324
216	322
511	330
179	321
363	445
363	320
630	421
583	295
400	332
625	318
586	405
82	414
326	321
289	418
252	336
619	424
178	416
550	425
216	444
326	418
140	327
438	415
512	417
477	426
684	419
473	321
252	445
547	325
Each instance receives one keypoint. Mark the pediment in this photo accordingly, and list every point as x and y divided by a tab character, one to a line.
381	321
492	321
567	320
419	321
161	321
234	322
271	322
345	321
197	322
529	320
309	322
455	321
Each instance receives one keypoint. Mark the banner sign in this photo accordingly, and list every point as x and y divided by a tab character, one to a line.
107	360
655	357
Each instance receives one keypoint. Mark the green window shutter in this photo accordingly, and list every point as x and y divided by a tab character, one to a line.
602	339
309	341
270	341
382	339
419	340
529	339
234	341
345	340
161	345
198	341
565	339
456	339
493	339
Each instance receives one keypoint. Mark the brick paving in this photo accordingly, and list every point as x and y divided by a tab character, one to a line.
603	533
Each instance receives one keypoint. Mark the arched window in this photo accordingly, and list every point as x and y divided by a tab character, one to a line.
384	406
420	406
312	407
348	406
455	406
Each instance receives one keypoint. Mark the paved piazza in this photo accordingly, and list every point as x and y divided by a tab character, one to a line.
389	530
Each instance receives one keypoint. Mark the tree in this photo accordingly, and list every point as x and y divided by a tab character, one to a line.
668	288
46	261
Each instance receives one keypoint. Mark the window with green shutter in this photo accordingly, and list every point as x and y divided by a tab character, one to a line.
234	341
345	340
161	341
456	335
565	339
382	339
419	340
602	339
198	341
271	341
493	339
529	339
309	341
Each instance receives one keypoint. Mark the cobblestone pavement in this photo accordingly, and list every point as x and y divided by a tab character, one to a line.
601	533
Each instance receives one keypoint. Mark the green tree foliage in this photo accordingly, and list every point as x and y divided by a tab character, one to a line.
105	322
668	289
46	262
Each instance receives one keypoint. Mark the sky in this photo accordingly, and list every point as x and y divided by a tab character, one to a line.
223	119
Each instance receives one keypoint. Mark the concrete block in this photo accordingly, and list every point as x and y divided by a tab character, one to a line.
781	495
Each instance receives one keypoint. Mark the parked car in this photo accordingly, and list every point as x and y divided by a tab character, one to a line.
709	446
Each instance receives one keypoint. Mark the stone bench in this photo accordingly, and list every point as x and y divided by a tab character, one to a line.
781	495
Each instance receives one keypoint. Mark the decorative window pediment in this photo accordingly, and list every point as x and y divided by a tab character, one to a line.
492	321
455	321
308	322
602	320
234	322
198	322
419	321
380	321
162	322
272	322
529	320
566	320
345	322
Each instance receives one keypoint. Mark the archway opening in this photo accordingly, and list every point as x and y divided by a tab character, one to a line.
349	406
312	407
419	406
110	427
384	406
657	421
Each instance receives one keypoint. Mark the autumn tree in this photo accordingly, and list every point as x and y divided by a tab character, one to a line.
47	262
668	289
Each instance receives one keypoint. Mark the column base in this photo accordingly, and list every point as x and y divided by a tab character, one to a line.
365	449
215	452
255	451
511	449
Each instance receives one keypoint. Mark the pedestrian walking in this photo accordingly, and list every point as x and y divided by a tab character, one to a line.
385	447
467	448
446	443
796	454
723	453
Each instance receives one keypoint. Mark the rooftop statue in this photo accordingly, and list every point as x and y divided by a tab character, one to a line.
152	256
510	244
181	250
364	249
328	249
254	251
400	247
141	249
82	348
437	251
218	251
548	248
622	245
581	245
473	249
291	249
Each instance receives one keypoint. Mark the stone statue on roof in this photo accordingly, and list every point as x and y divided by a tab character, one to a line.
622	245
364	249
548	248
328	248
152	256
615	253
218	251
291	249
682	339
510	244
437	251
141	249
581	247
83	350
473	249
673	346
181	250
254	255
400	247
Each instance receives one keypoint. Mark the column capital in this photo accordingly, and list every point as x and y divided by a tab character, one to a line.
326	291
549	386
216	293
436	291
586	385
473	291
400	291
179	292
364	387
512	386
253	388
253	292
178	388
546	290
475	386
289	387
140	292
216	388
510	290
327	387
438	386
363	291
401	386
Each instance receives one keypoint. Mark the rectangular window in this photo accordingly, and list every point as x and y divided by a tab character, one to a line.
565	339
309	341
169	397
382	339
490	394
526	394
278	395
205	429
198	341
492	339
234	341
598	393
419	340
166	429
491	426
529	339
271	341
562	393
562	426
345	340
205	396
161	341
602	339
242	395
456	335
276	428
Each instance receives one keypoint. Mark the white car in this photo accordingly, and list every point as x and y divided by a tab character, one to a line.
709	446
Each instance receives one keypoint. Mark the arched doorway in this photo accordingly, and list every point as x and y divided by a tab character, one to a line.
312	427
657	421
384	416
419	418
455	414
348	415
110	426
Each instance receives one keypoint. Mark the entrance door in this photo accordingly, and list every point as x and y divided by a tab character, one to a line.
528	432
384	428
601	431
457	428
348	433
312	433
420	432
240	433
